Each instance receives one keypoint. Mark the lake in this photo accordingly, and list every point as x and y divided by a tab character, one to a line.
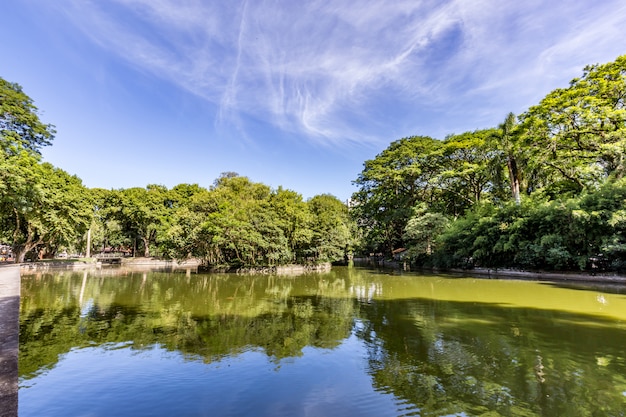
349	342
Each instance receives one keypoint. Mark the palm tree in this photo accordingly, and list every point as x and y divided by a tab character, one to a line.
507	141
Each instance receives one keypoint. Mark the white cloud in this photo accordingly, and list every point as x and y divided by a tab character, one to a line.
314	67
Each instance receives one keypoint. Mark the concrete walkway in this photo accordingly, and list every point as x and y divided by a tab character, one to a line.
9	332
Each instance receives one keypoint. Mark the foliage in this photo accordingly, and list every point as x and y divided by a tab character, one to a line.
582	232
237	222
542	190
37	201
576	136
20	127
46	212
242	223
140	212
422	230
390	185
332	229
446	201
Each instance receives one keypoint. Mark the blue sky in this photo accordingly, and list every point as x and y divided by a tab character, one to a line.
289	93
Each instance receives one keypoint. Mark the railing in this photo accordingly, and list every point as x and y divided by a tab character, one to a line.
110	258
110	255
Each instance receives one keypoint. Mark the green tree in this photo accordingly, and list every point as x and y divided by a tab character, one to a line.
22	134
333	228
141	212
106	228
246	227
505	141
390	185
295	219
465	174
577	135
52	210
422	231
236	223
181	238
20	126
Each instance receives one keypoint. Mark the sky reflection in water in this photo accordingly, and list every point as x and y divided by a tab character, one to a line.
350	342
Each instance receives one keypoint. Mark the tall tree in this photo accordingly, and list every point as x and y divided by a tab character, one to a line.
391	184
20	126
464	176
333	229
577	135
141	212
52	210
506	146
295	220
29	209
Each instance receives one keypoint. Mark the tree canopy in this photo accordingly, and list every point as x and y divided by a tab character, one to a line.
543	189
447	201
20	126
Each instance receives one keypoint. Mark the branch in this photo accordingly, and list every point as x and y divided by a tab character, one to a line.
564	173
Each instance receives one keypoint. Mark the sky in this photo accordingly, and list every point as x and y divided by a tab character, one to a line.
297	94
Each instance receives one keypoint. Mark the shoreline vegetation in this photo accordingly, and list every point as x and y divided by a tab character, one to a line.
498	273
151	264
543	191
166	264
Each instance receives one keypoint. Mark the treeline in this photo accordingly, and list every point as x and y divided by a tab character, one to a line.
236	222
543	190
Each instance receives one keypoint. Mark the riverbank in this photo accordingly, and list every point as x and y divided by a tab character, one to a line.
285	269
92	263
196	265
539	275
573	276
167	264
9	334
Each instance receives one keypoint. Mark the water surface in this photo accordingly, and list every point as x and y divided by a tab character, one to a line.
349	342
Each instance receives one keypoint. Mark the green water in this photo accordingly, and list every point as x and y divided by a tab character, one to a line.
349	342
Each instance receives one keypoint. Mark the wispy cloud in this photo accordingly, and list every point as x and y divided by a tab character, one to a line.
316	68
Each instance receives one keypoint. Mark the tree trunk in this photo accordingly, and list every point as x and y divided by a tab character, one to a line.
20	251
146	248
514	178
88	249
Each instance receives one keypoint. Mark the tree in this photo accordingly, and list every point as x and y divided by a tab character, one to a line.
295	219
237	222
244	227
422	230
333	229
505	142
390	185
19	188
20	126
141	212
22	134
447	177
577	135
464	176
50	210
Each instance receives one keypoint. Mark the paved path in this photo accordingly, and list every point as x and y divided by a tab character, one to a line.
9	331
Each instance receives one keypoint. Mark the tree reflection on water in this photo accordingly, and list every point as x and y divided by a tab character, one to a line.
445	346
